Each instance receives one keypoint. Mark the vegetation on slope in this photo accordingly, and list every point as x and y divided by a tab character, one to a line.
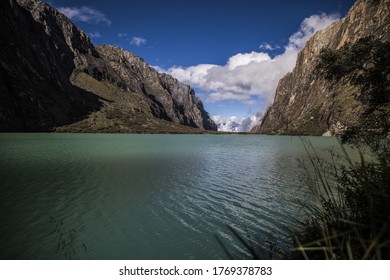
365	64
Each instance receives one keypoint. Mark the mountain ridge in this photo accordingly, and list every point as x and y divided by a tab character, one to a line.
305	102
53	78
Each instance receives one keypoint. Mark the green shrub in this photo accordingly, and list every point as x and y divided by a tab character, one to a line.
365	64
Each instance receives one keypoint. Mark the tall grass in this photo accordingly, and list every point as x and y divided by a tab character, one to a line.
350	218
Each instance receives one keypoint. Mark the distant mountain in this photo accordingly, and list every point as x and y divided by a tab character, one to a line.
53	78
228	126
234	123
308	103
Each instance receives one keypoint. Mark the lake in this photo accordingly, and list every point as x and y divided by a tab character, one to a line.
108	196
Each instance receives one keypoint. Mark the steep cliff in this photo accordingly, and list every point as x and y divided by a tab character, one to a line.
35	90
178	100
306	102
53	78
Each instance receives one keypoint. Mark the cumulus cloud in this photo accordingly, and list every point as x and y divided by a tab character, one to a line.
194	75
138	41
249	75
241	59
85	14
95	34
122	35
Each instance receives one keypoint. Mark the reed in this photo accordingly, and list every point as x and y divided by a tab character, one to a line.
349	219
349	216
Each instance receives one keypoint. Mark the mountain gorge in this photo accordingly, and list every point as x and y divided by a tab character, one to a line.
306	102
52	78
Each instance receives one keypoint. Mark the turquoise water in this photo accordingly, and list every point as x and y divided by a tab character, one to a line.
91	196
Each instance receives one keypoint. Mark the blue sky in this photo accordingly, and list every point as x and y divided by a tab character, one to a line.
232	52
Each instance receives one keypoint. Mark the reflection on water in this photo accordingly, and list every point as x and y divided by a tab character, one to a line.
84	196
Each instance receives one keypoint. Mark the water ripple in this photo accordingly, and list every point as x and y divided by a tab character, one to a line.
147	196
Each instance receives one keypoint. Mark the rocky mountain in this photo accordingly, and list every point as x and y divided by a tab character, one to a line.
228	126
53	78
306	102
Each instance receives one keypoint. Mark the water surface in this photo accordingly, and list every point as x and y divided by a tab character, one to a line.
91	196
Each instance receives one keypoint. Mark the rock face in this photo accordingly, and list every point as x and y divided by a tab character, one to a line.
306	103
53	78
178	101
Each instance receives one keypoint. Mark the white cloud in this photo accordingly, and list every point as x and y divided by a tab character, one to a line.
138	41
85	14
158	68
268	47
247	124
221	96
246	75
196	75
241	59
95	34
309	26
122	35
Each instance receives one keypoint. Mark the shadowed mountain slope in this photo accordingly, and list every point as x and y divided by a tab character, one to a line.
53	78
